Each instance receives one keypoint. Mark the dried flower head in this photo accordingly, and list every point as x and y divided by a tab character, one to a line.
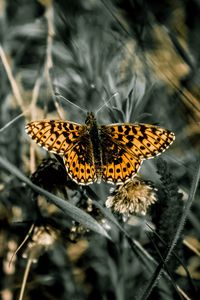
135	196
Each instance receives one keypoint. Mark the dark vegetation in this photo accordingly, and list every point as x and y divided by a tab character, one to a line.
72	245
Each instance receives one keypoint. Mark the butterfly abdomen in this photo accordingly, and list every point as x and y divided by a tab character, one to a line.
95	139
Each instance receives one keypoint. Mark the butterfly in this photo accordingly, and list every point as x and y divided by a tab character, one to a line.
91	153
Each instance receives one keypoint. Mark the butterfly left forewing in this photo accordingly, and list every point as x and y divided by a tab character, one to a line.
55	136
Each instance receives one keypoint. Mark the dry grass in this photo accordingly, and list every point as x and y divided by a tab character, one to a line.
87	51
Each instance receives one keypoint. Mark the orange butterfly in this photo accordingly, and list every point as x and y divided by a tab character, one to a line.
91	153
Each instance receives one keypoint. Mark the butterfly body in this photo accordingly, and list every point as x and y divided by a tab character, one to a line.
92	152
96	145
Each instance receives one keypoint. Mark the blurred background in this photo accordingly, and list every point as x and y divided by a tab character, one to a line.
140	60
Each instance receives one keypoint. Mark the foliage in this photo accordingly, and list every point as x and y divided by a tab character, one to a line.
140	59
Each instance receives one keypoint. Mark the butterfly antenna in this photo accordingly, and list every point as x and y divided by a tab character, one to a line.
105	104
75	105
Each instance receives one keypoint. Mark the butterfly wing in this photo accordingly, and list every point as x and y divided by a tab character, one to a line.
70	140
118	164
79	162
129	145
141	140
55	136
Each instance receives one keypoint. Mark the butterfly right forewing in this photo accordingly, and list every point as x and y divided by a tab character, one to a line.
143	141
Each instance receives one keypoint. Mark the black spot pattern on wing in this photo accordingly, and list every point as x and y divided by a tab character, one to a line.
79	162
55	136
143	141
118	164
113	152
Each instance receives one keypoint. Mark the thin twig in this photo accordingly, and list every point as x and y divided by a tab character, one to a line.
28	266
50	34
191	247
183	293
49	17
35	95
15	88
22	243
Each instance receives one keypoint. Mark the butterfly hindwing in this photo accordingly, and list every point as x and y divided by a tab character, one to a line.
119	173
118	164
79	162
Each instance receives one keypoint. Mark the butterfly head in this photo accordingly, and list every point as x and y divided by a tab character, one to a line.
90	120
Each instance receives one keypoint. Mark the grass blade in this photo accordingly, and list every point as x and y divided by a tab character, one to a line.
69	209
